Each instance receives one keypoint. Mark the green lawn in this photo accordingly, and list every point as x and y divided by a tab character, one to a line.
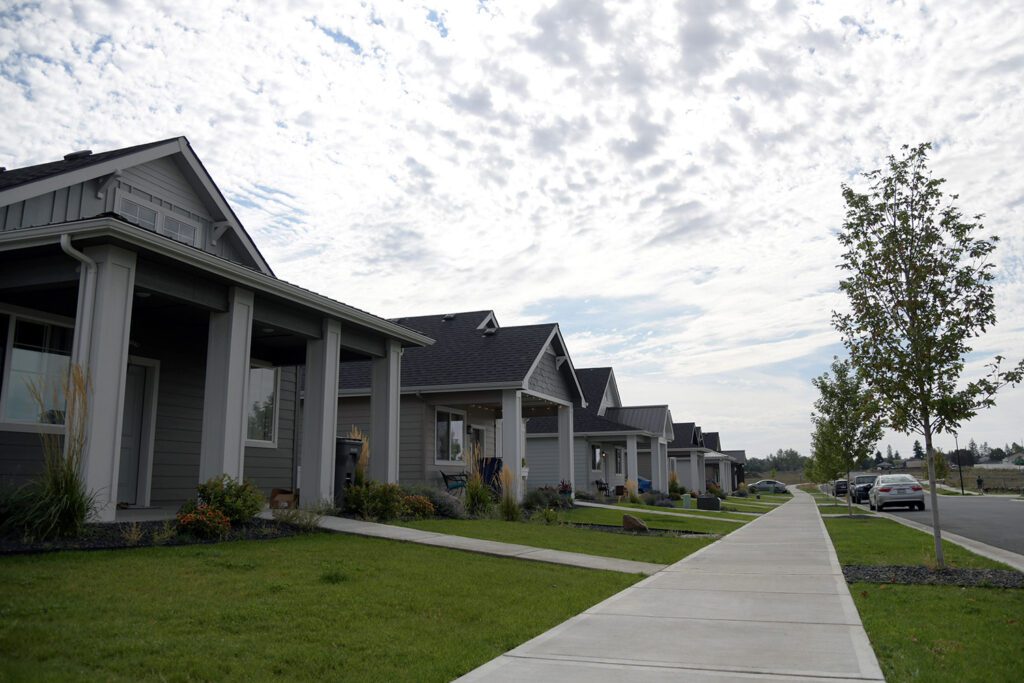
842	509
882	541
710	514
656	549
943	633
326	607
614	518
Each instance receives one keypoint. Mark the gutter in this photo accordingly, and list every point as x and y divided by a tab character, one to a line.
83	327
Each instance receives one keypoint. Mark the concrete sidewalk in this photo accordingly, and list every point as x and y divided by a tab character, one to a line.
767	602
476	545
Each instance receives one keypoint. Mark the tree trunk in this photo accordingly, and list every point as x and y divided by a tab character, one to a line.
936	531
849	499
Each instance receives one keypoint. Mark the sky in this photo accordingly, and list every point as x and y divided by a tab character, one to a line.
663	180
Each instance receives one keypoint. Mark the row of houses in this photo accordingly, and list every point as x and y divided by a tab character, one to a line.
133	265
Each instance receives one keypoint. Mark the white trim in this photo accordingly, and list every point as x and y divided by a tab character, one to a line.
147	444
162	213
255	364
465	421
15	313
600	459
556	332
546	397
482	428
493	322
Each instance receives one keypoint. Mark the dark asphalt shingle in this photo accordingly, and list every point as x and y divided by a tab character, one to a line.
28	174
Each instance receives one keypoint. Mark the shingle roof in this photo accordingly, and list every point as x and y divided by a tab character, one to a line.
28	174
462	353
686	436
647	418
737	456
711	441
593	381
583	422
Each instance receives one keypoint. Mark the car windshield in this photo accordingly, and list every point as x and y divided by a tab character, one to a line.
865	479
897	479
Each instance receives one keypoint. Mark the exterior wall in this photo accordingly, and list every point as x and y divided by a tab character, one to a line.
21	457
413	438
542	458
547	379
271	468
158	181
581	462
643	464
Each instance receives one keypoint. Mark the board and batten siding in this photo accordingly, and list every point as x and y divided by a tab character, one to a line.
547	379
159	181
273	468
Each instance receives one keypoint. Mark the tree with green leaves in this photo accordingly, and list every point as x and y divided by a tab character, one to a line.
919	284
918	451
847	414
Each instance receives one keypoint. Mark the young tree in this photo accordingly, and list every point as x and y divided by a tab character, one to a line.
848	414
878	458
888	453
918	451
919	288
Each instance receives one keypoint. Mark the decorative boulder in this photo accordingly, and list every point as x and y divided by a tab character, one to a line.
631	523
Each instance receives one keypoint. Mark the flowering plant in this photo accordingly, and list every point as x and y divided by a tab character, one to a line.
203	521
564	487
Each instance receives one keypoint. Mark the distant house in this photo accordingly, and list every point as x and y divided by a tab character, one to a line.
474	391
132	265
686	453
612	442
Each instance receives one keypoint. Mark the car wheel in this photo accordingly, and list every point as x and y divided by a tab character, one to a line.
871	506
920	506
879	507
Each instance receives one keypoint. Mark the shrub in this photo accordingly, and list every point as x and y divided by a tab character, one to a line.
548	515
304	519
742	491
631	496
418	507
716	490
508	506
545	498
675	496
357	500
584	495
445	504
239	501
132	533
387	501
664	503
203	521
359	477
166	533
673	483
479	500
649	498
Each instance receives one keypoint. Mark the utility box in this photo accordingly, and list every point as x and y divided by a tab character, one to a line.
687	501
708	503
346	455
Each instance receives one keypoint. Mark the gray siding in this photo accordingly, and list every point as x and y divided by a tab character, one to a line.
411	437
581	463
271	468
21	458
542	457
643	464
547	379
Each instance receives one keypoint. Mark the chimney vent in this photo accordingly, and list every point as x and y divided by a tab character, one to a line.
80	154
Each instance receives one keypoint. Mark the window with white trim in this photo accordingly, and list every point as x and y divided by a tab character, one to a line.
618	461
595	459
263	405
449	435
36	362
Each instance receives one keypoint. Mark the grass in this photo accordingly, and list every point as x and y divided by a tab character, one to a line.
327	607
884	542
656	549
614	518
710	514
842	509
943	633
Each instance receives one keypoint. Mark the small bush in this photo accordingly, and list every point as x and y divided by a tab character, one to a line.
548	515
479	500
132	533
239	501
664	503
418	507
649	498
716	490
357	500
203	521
673	483
545	498
166	533
675	496
445	504
307	520
508	505
387	501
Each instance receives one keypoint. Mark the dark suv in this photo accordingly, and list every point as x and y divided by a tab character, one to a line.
862	485
839	488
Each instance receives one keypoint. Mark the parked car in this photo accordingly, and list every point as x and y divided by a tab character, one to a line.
840	487
862	484
767	486
896	489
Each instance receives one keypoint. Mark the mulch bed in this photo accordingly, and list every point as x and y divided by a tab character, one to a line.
652	532
113	537
986	578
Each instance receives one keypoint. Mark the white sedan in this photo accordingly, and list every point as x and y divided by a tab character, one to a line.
896	489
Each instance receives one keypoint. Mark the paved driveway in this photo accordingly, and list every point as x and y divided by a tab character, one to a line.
995	520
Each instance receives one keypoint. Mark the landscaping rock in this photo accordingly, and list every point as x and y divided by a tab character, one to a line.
989	578
631	523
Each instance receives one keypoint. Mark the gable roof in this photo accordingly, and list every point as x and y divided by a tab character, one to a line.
652	419
593	381
712	441
737	456
686	436
583	422
463	355
24	183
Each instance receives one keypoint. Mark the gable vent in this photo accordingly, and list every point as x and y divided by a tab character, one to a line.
80	154
448	316
490	331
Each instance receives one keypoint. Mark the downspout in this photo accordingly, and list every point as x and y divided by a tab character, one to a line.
84	326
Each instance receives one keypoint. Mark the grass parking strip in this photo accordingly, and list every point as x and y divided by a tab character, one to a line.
614	518
884	542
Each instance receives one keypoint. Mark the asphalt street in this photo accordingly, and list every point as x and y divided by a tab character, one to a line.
996	520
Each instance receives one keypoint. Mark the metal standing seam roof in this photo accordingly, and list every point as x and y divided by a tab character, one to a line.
737	456
647	418
462	354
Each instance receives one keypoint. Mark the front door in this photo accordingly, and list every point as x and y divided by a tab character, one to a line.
131	435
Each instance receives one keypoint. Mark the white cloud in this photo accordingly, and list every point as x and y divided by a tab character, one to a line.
410	158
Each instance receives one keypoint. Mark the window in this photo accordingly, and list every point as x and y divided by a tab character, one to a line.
595	460
179	230
37	360
449	435
618	461
137	213
156	217
262	423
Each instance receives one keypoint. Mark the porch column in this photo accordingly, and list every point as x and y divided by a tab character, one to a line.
566	468
107	366
658	483
320	416
226	396
631	466
696	472
725	475
385	398
511	437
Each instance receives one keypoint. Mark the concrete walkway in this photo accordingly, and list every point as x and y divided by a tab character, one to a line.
767	602
626	511
476	545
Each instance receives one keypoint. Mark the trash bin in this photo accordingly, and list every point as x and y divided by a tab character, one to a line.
346	455
709	503
687	498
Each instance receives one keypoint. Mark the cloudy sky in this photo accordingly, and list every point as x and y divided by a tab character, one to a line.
661	179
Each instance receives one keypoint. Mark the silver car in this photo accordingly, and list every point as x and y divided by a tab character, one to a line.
896	489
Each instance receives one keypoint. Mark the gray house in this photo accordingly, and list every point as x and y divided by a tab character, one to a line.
612	442
132	265
474	390
686	453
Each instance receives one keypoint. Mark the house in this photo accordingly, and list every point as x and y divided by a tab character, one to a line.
686	453
723	468
473	391
612	442
132	265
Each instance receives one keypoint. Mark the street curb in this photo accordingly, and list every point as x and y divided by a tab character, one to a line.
984	549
